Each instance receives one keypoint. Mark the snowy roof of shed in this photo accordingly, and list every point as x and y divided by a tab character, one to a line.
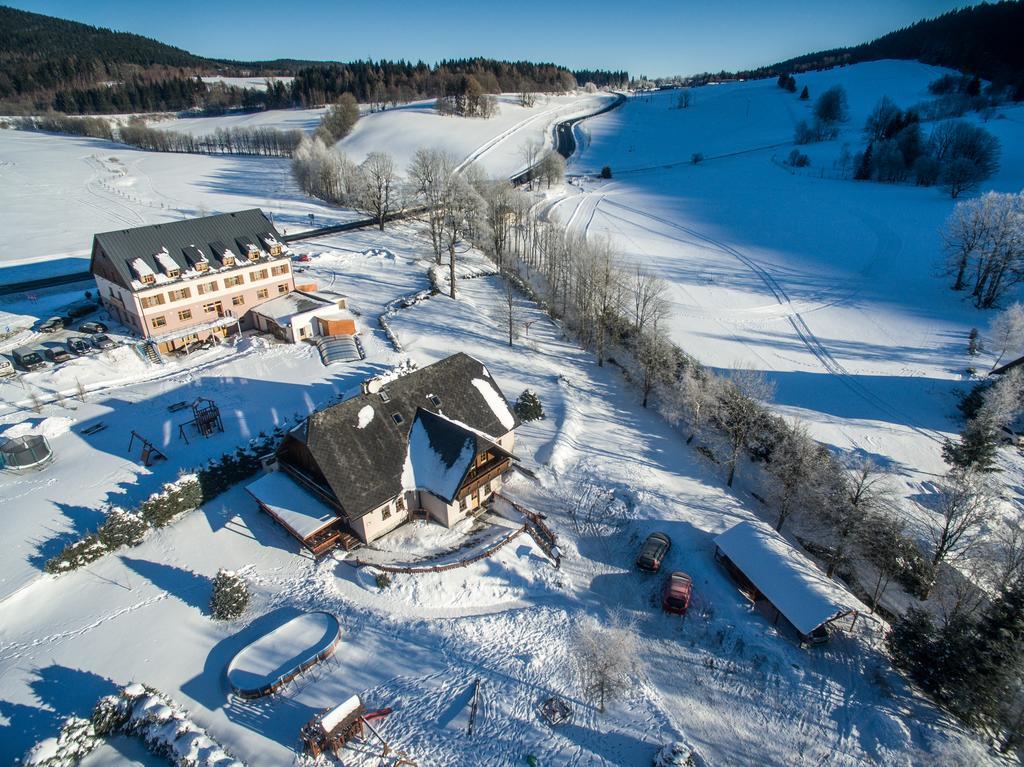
790	581
294	507
363	458
289	305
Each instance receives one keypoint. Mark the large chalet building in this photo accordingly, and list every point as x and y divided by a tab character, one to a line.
435	442
184	281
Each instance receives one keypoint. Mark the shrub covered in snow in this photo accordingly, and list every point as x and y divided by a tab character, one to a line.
77	554
76	740
528	406
110	715
230	596
121	528
383	580
678	754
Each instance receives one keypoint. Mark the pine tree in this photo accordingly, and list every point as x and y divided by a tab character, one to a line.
804	94
528	406
230	596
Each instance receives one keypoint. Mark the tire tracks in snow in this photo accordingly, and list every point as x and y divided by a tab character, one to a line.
807	337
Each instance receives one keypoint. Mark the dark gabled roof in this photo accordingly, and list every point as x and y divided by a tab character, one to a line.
1007	367
363	466
208	234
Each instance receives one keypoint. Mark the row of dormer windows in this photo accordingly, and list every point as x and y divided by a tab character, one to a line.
205	288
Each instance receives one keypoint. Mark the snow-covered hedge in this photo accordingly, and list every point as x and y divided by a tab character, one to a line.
678	754
189	492
138	710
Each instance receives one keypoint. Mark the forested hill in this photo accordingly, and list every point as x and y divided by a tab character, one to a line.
49	64
985	40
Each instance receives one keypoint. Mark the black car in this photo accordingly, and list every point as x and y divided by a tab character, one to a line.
101	341
79	345
653	552
57	354
52	325
93	327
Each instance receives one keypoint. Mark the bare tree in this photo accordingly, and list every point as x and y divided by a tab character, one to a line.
796	472
552	168
654	359
880	541
461	219
79	390
863	491
741	410
511	306
378	190
691	398
964	503
684	99
965	232
607	657
1007	331
649	302
530	152
430	176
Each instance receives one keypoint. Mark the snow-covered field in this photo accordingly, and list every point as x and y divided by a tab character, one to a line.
829	285
825	283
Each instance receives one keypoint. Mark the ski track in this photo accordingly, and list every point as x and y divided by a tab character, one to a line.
807	337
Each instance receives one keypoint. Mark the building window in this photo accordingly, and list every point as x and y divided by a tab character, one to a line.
400	503
282	288
230	282
262	293
238	300
211	308
254	254
397	417
280	269
202	266
227	259
178	295
462	504
158	322
206	287
185	314
384	396
386	512
148	279
174	273
434	399
148	302
262	274
275	249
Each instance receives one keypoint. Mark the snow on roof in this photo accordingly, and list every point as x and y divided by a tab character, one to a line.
339	713
167	263
283	308
437	462
141	268
790	581
365	416
496	402
295	508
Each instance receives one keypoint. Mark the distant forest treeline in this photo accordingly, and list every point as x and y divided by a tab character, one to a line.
983	40
49	64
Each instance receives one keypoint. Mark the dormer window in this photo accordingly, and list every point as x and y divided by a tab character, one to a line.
254	254
202	266
385	397
167	264
228	259
148	279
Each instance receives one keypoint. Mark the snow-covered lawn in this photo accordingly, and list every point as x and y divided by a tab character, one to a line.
829	285
722	677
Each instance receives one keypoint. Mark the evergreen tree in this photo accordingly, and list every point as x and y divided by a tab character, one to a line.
528	406
804	94
230	596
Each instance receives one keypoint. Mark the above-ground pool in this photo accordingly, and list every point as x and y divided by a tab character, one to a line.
281	655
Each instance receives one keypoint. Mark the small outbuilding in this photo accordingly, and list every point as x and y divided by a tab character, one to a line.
773	573
302	315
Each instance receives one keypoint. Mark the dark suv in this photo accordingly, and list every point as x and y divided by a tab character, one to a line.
653	552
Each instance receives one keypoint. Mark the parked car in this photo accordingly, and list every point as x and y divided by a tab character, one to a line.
6	367
675	595
81	309
57	354
303	257
92	327
28	359
102	341
653	552
52	325
79	345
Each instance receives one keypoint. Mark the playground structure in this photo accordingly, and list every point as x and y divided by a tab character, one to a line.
205	419
30	451
333	728
555	711
150	453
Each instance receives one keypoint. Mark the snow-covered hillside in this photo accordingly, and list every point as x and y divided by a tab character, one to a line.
828	284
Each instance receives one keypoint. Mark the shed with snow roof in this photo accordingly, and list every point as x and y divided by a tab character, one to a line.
769	570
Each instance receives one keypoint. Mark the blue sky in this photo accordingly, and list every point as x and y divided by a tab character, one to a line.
653	38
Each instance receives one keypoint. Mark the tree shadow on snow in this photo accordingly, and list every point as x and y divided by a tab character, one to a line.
60	692
191	588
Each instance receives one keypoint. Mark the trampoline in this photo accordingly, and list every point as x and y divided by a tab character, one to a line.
31	451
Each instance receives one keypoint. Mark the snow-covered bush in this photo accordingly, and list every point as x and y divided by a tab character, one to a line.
528	406
77	554
230	596
110	715
176	498
76	740
383	580
121	528
678	754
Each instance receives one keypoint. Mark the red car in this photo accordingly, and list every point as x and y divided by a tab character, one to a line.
675	596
